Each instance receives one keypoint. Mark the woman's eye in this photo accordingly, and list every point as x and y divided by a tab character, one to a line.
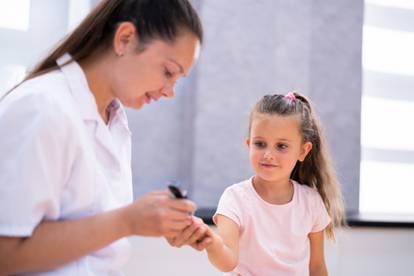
168	73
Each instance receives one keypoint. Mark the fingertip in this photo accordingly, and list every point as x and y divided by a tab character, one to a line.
206	239
191	205
206	242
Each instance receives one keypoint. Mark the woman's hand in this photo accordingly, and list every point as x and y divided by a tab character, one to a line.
158	214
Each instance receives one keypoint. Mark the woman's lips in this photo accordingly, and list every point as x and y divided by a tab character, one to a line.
149	98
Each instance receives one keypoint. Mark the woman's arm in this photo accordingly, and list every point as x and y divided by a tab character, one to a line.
56	243
317	266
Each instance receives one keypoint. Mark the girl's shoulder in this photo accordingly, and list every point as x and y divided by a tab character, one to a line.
306	194
239	189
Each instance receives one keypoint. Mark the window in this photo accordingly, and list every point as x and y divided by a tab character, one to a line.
387	130
15	14
40	24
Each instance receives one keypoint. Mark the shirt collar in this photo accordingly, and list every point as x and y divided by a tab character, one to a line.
117	111
79	87
83	96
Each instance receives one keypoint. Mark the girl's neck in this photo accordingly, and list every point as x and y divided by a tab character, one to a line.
274	192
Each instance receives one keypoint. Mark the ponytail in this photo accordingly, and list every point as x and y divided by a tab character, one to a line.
162	19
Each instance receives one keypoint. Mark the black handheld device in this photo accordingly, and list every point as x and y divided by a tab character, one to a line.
177	192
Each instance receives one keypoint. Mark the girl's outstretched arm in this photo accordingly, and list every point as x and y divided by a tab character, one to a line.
223	251
317	266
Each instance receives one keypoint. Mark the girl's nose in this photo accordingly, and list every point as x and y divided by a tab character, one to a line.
268	154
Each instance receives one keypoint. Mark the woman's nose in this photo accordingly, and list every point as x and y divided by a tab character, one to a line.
168	90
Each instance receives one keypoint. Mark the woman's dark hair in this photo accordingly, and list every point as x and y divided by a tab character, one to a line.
153	19
316	170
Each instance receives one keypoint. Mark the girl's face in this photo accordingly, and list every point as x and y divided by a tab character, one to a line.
142	77
275	145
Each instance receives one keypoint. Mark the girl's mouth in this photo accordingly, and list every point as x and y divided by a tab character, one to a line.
267	165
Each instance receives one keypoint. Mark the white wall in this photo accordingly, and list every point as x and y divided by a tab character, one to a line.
358	252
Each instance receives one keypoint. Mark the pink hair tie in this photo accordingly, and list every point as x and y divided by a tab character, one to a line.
290	96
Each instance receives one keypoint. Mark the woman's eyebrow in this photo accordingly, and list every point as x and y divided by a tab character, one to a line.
179	65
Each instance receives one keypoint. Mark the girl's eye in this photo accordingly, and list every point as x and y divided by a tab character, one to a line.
260	144
281	146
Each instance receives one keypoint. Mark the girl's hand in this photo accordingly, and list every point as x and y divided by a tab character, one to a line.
157	214
191	234
206	241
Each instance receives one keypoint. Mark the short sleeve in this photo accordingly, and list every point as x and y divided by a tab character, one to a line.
321	217
33	162
229	206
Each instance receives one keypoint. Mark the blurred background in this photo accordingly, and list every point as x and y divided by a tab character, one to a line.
353	58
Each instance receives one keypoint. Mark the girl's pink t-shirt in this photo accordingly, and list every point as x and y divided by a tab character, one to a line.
273	238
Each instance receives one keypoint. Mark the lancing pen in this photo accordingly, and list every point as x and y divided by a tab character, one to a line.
176	191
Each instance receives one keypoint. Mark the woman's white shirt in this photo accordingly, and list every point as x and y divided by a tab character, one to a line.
60	161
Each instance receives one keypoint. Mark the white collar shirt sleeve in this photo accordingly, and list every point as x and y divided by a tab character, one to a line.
60	161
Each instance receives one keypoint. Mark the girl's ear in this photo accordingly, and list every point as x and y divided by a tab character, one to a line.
125	37
248	142
306	148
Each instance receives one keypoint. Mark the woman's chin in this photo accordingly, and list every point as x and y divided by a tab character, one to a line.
137	104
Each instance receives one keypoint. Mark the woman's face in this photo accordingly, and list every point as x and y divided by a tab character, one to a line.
140	77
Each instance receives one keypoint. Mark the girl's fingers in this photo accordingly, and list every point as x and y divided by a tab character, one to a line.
205	241
187	234
202	245
199	234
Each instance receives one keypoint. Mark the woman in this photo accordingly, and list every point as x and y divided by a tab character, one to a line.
65	173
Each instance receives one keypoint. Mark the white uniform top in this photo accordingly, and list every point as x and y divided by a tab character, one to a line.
60	161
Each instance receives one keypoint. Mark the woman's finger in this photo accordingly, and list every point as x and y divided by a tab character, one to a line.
183	205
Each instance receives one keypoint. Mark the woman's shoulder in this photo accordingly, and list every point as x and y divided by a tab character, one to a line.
49	86
38	104
46	94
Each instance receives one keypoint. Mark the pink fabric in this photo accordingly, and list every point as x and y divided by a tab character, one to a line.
273	238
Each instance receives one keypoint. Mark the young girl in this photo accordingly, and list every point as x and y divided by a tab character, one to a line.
274	222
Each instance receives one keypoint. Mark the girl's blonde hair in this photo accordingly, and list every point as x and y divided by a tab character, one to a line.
316	170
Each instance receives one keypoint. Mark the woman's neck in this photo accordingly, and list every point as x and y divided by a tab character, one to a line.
95	69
